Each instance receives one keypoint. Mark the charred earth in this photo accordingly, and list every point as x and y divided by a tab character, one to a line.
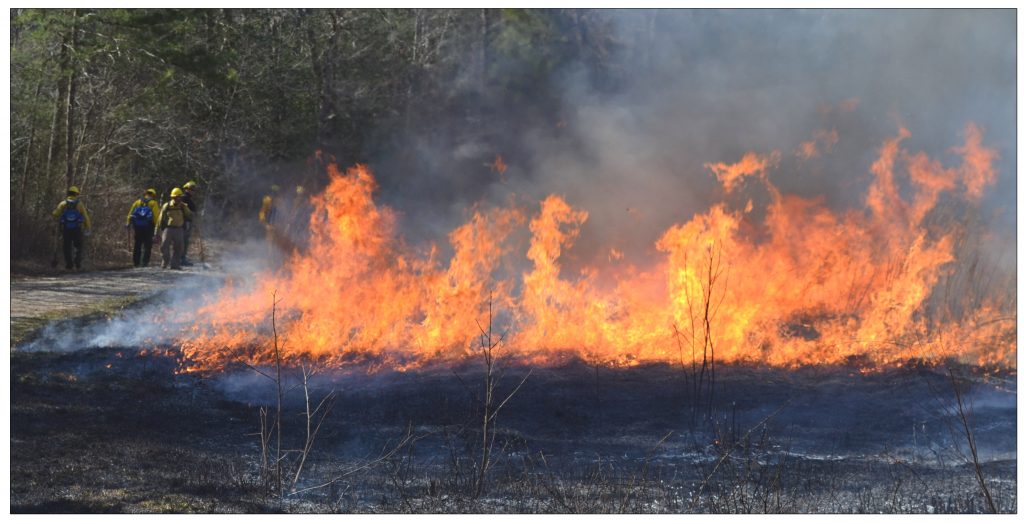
121	429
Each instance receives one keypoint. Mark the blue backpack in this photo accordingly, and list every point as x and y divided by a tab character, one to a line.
142	215
71	218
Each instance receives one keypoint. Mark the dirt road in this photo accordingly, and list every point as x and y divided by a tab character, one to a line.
38	300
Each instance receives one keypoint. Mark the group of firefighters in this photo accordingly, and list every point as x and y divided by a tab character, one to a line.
171	225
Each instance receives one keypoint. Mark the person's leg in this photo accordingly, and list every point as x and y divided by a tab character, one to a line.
79	241
66	235
165	247
137	248
186	234
147	244
178	239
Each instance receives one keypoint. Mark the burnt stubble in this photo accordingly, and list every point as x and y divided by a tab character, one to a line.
119	430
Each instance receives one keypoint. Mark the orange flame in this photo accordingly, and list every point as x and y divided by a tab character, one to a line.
499	166
751	165
808	285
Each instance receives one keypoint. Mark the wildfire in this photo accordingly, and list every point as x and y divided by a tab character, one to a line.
808	285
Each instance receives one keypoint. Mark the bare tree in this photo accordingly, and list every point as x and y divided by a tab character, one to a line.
489	344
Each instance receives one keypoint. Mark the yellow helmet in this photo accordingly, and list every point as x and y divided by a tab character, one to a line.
189	185
299	190
177	192
151	191
73	190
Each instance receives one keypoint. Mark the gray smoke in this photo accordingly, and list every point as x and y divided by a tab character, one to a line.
707	86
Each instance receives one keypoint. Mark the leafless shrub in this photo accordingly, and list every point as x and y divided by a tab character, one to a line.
314	419
489	347
728	451
272	453
702	303
958	415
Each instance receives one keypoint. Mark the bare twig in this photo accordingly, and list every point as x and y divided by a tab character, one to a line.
489	344
964	419
311	431
725	456
280	394
384	456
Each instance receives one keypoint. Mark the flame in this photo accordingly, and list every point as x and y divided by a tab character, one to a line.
499	166
810	148
751	165
807	285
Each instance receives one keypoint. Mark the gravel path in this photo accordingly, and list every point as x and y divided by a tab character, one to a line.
38	300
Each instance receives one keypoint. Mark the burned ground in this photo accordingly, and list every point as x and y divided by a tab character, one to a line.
119	430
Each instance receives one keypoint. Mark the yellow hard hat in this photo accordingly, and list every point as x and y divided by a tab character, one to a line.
189	185
151	191
73	190
177	192
299	190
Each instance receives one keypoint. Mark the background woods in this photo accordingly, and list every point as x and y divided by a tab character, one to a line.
116	101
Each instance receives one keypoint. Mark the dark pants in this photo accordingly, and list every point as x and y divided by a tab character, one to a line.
187	231
143	245
73	238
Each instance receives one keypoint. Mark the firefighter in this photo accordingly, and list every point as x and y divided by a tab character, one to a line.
142	218
268	217
74	225
173	217
189	188
298	224
268	211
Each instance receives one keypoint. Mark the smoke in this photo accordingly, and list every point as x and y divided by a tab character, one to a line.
160	318
698	87
142	326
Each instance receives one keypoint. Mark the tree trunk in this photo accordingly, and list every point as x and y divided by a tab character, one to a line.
69	106
52	150
318	74
410	77
23	184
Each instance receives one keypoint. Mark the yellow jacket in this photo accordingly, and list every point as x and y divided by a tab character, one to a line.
267	211
173	214
153	205
86	223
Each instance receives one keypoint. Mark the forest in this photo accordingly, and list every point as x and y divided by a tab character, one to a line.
119	100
